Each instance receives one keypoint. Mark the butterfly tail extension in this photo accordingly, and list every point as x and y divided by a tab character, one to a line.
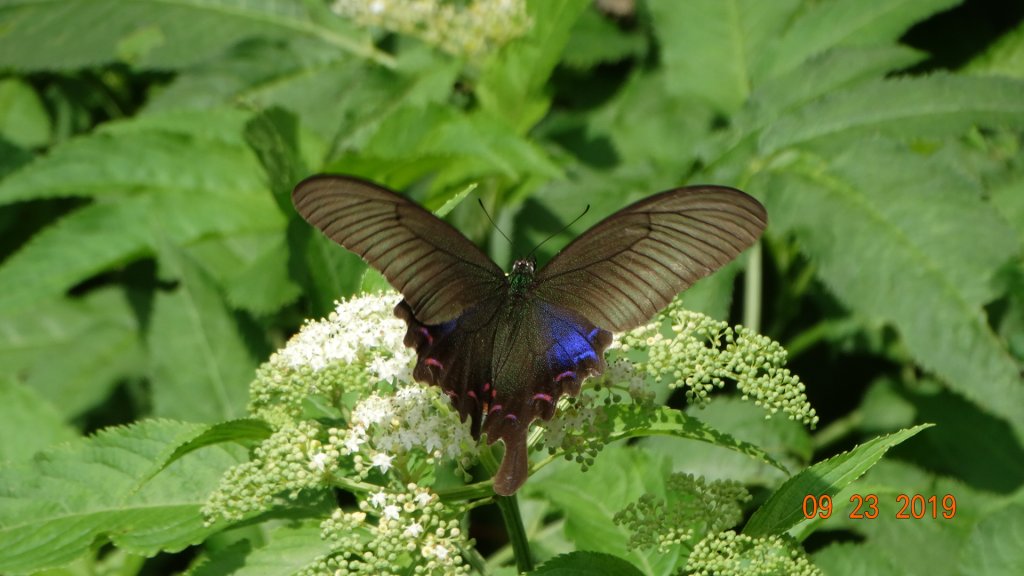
514	465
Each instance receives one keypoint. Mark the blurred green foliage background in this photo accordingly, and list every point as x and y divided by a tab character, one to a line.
150	258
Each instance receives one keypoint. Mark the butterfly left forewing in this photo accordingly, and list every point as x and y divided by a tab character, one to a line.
437	269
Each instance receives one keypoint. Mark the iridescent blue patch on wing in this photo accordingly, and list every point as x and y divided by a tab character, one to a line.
572	343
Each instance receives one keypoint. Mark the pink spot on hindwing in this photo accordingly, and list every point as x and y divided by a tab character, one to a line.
541	396
433	362
564	375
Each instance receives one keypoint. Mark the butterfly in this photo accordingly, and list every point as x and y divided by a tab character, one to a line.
504	348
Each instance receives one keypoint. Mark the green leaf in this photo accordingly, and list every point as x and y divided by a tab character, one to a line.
118	163
885	228
55	508
707	46
994	547
596	39
23	118
28	422
740	421
619	476
587	563
242	431
967	443
1003	58
930	106
73	351
290	549
252	269
783	510
200	360
848	559
157	34
512	83
846	23
635	422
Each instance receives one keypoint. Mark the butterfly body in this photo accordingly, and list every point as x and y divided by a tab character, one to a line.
504	348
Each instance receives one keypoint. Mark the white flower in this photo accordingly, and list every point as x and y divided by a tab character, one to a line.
423	498
391	512
319	461
382	461
413	530
378	499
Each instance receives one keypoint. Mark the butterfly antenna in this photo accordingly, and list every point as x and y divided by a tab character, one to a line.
564	228
491	220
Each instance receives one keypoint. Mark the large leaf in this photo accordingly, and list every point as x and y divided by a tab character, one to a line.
590	500
201	363
161	34
512	84
846	23
135	171
932	106
707	46
54	509
888	231
784	510
72	351
28	422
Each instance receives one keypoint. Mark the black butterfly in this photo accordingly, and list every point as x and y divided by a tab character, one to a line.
504	348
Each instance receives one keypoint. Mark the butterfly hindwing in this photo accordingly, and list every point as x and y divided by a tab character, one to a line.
504	364
437	269
629	266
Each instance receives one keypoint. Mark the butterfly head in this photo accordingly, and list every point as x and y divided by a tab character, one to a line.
521	277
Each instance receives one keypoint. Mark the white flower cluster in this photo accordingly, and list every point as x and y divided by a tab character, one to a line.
410	524
416	417
363	329
468	29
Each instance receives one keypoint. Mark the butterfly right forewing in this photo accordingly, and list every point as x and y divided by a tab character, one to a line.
439	272
629	266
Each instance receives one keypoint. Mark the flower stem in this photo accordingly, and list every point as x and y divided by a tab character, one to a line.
509	506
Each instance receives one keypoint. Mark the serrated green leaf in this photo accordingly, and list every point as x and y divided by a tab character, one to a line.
783	510
157	34
242	431
633	422
845	23
1003	58
72	351
125	162
53	509
885	229
930	106
994	547
785	440
105	235
587	563
28	422
201	364
707	46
